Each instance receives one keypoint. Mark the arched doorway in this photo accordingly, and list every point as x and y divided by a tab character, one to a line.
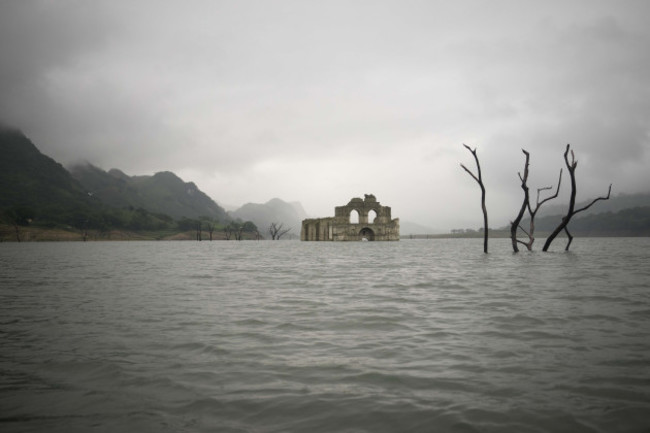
367	234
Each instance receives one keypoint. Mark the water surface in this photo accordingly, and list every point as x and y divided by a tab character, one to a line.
410	336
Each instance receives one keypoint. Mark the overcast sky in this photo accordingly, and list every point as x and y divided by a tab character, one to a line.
322	101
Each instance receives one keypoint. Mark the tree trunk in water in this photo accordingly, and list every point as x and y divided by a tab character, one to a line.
568	234
485	220
515	224
572	201
533	213
479	179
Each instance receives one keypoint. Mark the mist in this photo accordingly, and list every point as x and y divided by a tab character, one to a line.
319	103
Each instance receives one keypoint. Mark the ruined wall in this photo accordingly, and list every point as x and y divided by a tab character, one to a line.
374	223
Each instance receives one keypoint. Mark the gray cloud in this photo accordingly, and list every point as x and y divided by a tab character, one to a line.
318	102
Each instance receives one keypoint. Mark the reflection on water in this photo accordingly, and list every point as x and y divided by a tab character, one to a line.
420	336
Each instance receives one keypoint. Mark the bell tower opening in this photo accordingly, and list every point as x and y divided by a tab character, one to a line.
354	216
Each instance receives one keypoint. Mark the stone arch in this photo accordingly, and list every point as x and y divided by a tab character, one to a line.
367	233
372	215
354	217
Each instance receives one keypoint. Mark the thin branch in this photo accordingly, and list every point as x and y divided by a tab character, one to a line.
557	191
531	232
524	230
543	189
470	173
595	200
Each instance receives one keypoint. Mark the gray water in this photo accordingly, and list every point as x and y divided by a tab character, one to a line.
410	336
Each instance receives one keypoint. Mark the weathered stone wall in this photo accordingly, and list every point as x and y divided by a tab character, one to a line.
341	228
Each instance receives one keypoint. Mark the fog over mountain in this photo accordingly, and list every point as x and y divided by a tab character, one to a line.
290	215
318	102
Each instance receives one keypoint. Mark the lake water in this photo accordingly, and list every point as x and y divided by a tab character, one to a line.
410	336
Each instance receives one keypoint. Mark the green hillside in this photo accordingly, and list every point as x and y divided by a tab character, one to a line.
36	184
163	193
37	191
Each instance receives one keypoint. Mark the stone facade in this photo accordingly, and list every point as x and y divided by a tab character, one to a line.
374	223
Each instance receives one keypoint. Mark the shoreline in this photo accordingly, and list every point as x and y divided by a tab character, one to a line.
43	234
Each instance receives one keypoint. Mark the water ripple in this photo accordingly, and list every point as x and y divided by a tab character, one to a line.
412	336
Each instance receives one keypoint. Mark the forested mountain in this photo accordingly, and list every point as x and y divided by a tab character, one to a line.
164	192
35	189
35	184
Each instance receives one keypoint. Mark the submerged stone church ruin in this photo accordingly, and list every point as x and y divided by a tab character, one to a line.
359	220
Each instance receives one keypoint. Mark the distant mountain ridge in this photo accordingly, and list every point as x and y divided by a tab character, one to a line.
615	203
621	215
274	211
163	192
36	188
633	221
30	179
411	228
87	195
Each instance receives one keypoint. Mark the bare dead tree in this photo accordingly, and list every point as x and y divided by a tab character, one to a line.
17	229
571	166
533	212
17	217
525	204
227	230
198	230
479	179
209	226
276	231
238	233
566	229
84	231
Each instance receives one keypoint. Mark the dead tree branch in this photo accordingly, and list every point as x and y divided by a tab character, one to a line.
276	231
525	204
566	229
571	166
609	191
533	212
569	236
479	179
210	228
